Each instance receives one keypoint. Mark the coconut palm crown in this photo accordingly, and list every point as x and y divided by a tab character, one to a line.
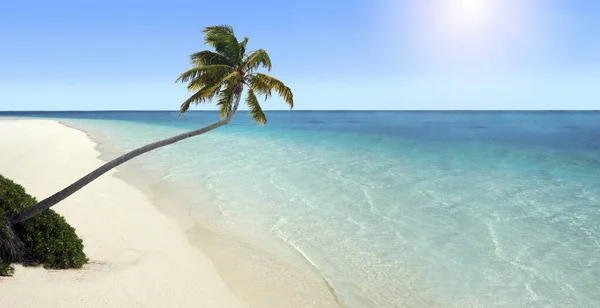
223	73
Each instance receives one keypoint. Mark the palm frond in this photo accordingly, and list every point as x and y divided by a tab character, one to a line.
243	47
199	97
226	98
207	57
257	59
201	82
208	92
200	71
255	110
265	84
233	77
259	86
224	41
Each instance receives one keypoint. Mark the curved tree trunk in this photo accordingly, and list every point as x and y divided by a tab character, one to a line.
71	189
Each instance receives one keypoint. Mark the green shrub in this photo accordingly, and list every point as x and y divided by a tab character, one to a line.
51	241
13	198
5	269
48	238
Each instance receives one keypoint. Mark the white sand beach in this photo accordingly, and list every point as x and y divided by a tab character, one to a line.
138	256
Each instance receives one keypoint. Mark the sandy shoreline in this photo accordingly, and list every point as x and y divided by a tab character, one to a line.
138	256
274	276
127	245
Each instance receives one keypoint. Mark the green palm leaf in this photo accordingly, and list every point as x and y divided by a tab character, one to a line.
199	97
208	92
265	84
255	110
224	41
243	47
207	57
206	73
257	59
226	98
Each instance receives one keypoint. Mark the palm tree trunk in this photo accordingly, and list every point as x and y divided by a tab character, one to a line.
71	189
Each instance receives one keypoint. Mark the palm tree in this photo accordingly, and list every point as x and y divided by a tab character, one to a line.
221	74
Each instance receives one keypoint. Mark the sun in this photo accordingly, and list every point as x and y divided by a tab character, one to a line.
468	13
470	27
451	32
466	19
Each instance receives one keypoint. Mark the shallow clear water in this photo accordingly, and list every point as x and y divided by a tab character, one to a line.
450	209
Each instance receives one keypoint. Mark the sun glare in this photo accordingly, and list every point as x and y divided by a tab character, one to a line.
472	27
466	14
457	33
463	19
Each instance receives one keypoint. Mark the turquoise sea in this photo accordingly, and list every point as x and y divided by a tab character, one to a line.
393	209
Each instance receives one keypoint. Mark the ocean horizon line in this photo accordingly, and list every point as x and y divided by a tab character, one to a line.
321	110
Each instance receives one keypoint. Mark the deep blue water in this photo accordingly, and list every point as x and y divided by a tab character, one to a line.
423	208
558	129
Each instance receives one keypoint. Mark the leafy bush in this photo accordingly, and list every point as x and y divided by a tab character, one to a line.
51	241
48	238
13	198
5	269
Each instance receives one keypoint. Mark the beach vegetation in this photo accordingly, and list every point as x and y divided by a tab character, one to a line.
5	268
46	239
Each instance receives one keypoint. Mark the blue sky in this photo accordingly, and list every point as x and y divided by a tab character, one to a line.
376	54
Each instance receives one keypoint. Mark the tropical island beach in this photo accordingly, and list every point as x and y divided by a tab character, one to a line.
363	154
139	257
270	237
